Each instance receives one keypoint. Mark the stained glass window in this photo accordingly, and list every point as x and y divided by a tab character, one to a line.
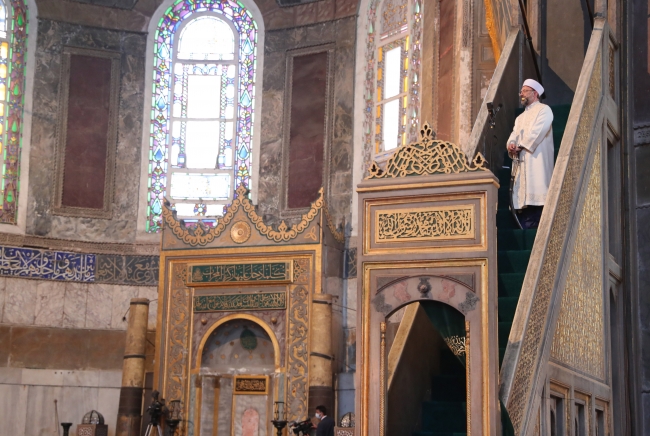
202	109
393	49
13	47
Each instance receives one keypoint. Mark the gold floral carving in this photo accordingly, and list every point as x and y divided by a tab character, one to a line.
531	344
578	340
301	271
428	156
201	235
178	337
298	351
456	344
434	223
240	232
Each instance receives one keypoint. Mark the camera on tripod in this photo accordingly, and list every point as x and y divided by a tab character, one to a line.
156	409
302	427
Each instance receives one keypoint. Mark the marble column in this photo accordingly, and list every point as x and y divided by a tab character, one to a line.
320	356
130	407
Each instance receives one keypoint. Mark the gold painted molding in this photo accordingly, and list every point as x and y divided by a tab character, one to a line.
426	157
201	235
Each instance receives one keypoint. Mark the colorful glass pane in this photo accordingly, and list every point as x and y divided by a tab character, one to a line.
13	47
381	38
234	127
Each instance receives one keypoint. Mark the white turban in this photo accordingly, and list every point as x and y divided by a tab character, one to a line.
535	85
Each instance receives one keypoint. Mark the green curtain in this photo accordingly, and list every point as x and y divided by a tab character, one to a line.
450	323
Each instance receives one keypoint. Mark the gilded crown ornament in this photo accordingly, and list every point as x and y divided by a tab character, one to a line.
426	157
202	235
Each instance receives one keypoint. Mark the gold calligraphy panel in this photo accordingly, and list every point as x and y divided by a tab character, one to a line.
425	224
251	385
248	272
578	340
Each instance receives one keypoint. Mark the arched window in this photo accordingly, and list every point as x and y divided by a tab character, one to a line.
392	67
200	144
13	47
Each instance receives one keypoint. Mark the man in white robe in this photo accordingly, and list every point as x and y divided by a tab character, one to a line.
531	142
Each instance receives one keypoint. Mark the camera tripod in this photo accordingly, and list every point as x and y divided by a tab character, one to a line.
153	430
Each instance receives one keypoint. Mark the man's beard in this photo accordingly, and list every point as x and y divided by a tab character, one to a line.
524	101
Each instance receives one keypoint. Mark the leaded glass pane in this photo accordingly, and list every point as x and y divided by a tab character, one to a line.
393	72
207	38
178	105
391	125
203	96
202	144
3	19
193	186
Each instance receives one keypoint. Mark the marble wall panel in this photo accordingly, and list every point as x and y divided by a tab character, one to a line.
40	410
277	43
13	403
108	400
27	399
53	35
20	302
99	306
243	403
75	402
49	303
122	296
74	305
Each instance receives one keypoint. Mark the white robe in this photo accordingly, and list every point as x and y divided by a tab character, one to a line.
534	133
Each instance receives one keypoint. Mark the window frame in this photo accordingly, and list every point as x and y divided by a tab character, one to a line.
171	119
245	15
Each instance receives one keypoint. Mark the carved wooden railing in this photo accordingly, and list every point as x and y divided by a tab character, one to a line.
523	371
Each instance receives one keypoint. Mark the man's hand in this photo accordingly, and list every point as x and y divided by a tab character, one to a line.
512	147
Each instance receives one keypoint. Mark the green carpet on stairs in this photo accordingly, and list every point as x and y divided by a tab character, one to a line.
513	244
445	414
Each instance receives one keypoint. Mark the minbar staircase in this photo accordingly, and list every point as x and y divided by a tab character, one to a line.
445	414
514	245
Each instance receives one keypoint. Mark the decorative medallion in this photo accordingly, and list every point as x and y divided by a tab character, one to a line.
424	287
240	232
248	340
